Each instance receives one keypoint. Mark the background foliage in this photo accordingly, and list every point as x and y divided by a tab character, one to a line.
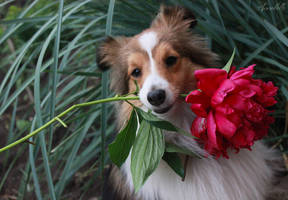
48	51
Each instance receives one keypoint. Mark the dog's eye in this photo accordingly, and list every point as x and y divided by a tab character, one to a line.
170	61
136	72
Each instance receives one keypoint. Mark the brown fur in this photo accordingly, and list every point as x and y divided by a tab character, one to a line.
117	177
175	25
110	54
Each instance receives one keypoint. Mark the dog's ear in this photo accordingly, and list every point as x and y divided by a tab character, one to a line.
110	54
175	16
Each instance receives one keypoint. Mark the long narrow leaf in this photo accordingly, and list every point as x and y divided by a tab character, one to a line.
54	69
104	83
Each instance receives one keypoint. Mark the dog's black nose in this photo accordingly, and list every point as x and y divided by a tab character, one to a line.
156	97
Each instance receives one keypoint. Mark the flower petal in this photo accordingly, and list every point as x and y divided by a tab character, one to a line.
198	97
242	82
255	88
247	93
199	126
236	118
224	108
244	138
256	113
269	88
210	79
225	126
244	73
238	102
199	110
266	101
232	71
211	132
266	96
225	87
261	129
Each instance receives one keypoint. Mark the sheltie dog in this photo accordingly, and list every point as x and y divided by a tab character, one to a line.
162	59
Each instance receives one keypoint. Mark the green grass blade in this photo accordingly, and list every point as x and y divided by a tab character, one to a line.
33	168
216	6
54	70
282	38
260	49
11	165
11	131
285	92
104	83
273	62
6	2
34	37
37	100
24	181
23	51
30	20
16	65
77	142
29	81
72	44
13	28
242	20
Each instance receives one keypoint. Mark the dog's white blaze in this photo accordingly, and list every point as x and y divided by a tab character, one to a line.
148	41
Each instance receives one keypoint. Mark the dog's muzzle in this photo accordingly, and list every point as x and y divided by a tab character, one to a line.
156	97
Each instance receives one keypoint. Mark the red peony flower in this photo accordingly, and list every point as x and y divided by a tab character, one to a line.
230	108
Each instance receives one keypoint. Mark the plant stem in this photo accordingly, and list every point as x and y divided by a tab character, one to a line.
116	98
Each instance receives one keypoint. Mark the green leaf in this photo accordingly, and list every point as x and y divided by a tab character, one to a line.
152	119
13	12
174	161
284	90
54	68
120	148
172	148
146	154
282	38
22	124
159	123
229	63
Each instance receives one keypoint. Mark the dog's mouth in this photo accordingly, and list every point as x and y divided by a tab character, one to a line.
163	110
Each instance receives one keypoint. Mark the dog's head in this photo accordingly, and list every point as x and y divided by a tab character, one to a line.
161	59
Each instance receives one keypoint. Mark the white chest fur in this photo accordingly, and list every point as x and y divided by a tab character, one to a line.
245	176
